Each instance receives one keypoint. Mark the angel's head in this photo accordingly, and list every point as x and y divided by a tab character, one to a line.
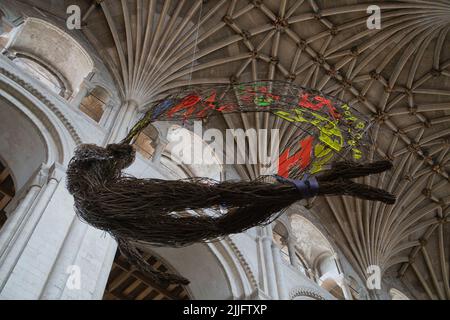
99	163
121	154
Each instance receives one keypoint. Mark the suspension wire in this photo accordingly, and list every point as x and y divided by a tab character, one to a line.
196	43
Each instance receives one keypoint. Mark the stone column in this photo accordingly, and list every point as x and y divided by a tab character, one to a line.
19	216
277	262
23	266
290	242
342	283
311	274
161	142
269	276
160	146
83	91
47	246
108	115
123	122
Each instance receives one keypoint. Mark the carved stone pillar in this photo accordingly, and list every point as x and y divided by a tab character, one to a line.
277	262
23	259
290	242
269	274
108	115
44	241
17	219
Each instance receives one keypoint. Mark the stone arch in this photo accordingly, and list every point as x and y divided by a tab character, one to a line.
53	48
324	263
58	82
46	139
127	283
312	244
22	146
58	136
214	269
397	294
175	134
302	293
280	235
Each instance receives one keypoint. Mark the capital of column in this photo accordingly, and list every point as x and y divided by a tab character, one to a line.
131	103
86	86
56	172
41	177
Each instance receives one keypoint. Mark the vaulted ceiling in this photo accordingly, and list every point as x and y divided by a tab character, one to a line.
398	75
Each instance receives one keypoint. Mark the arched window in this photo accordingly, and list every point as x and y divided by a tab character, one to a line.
7	191
95	103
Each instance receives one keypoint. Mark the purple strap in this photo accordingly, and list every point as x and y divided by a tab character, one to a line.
308	186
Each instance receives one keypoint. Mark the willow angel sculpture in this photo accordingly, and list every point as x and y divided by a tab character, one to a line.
162	212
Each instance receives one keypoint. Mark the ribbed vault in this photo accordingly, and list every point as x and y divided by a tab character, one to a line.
398	75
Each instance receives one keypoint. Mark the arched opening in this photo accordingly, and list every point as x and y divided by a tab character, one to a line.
50	55
329	276
211	274
127	283
7	191
397	294
310	244
318	256
95	103
189	150
22	146
22	152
